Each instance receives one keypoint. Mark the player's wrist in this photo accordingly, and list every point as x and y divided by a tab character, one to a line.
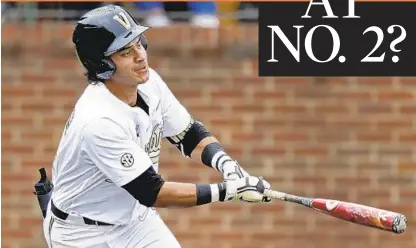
215	156
209	193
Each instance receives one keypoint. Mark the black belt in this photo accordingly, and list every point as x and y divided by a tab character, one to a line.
61	215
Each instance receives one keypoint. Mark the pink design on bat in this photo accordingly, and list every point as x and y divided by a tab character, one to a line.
356	213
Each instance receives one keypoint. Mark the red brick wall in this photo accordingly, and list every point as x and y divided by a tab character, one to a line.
351	139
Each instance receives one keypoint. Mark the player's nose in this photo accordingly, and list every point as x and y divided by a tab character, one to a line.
139	60
139	55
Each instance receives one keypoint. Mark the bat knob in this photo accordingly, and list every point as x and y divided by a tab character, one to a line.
399	224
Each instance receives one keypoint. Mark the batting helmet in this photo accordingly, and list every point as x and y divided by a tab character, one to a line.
100	33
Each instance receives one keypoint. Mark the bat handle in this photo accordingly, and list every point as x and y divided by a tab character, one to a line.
305	201
275	194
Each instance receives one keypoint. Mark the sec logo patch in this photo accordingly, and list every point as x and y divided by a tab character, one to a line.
127	160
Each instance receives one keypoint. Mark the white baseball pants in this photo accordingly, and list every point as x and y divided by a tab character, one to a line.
149	232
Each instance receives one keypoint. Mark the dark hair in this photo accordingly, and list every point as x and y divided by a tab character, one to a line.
92	78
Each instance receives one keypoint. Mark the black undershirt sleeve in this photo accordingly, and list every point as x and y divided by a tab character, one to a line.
188	140
146	187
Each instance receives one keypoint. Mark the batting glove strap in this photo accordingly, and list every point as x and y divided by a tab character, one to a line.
227	191
222	189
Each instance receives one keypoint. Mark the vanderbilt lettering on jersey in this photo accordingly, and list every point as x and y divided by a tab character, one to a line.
153	145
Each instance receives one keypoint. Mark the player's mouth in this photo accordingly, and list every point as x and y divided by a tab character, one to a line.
140	69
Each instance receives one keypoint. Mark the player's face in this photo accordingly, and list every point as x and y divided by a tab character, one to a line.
131	63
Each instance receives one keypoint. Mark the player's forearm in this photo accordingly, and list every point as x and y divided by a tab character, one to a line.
193	141
176	195
213	155
198	143
197	152
184	195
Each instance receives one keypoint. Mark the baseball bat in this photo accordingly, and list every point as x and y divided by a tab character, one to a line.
348	211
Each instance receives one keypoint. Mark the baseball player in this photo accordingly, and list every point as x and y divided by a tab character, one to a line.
105	173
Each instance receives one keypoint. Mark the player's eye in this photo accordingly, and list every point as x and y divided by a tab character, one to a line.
126	53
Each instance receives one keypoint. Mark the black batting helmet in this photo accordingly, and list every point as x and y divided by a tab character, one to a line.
102	32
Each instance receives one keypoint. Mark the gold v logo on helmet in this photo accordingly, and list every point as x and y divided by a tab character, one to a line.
122	19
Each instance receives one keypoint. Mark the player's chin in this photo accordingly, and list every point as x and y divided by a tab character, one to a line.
142	76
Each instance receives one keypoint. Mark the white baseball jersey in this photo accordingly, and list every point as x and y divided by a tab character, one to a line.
106	144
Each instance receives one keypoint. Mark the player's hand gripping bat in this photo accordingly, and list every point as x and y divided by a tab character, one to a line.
348	211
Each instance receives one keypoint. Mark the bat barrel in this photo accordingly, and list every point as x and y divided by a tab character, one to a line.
399	224
363	215
348	211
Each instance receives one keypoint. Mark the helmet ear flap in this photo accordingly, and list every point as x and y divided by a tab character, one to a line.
108	67
143	40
